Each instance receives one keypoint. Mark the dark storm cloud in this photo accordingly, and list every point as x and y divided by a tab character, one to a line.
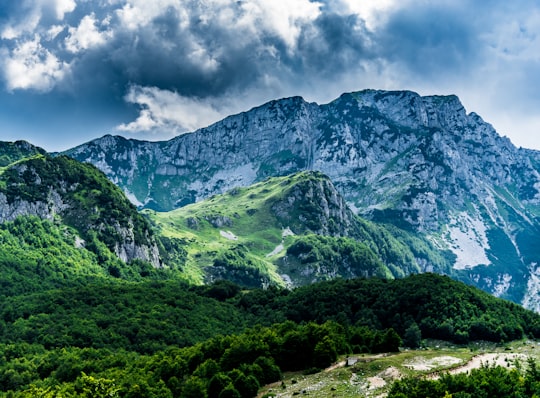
433	40
190	49
212	59
194	60
332	45
166	60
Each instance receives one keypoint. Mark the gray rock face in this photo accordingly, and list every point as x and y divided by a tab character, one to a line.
127	249
315	206
45	210
421	163
380	143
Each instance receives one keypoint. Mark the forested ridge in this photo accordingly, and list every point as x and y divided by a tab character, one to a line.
90	203
37	255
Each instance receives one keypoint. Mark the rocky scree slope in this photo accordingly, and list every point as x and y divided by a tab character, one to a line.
62	189
421	163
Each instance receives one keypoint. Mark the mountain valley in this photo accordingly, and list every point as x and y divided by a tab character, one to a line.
261	254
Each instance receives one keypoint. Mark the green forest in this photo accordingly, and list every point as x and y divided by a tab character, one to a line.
70	328
486	382
157	338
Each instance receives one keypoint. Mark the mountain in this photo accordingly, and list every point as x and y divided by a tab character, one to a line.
60	218
289	231
419	163
82	314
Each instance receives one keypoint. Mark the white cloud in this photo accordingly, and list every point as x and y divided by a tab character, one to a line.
61	7
200	56
284	18
372	12
138	13
517	38
31	13
163	110
86	35
28	23
54	31
31	66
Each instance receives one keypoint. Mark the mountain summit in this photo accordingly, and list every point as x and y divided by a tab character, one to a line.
421	163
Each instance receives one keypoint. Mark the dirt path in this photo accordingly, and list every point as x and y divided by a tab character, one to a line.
421	363
354	359
335	366
492	359
371	386
476	362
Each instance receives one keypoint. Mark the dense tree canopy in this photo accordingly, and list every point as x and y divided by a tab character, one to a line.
166	338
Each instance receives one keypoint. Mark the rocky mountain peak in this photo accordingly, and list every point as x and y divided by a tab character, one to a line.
366	139
409	108
313	204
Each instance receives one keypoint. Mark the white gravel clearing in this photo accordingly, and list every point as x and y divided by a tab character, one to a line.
421	363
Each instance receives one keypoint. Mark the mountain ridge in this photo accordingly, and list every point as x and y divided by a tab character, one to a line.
420	163
175	155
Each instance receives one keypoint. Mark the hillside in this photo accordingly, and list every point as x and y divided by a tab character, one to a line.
420	163
76	323
62	220
284	231
124	339
290	231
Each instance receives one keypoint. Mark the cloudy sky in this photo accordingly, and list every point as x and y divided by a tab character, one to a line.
74	70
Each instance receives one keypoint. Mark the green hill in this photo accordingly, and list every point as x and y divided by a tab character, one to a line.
290	231
11	152
61	220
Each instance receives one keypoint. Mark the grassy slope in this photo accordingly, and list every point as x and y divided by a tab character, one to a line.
247	215
11	152
249	219
373	375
